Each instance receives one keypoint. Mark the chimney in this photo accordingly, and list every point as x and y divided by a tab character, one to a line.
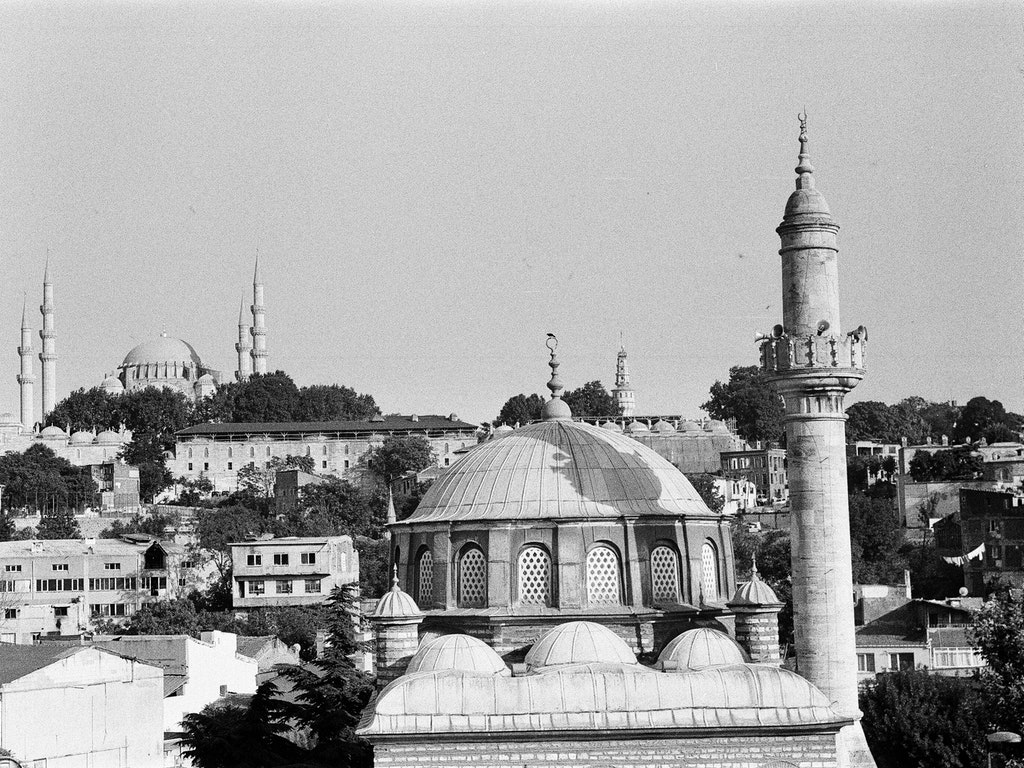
414	417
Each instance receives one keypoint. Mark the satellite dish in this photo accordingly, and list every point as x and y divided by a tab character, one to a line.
777	331
823	325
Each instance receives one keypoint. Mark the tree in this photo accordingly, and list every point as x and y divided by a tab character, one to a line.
331	508
193	490
960	463
38	479
162	617
520	409
156	412
704	484
914	719
268	397
146	451
333	402
398	456
85	409
870	420
875	539
256	483
216	528
58	524
151	525
998	634
592	400
752	400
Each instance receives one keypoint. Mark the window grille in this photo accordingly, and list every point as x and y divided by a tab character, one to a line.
534	577
472	579
425	588
664	575
709	570
602	577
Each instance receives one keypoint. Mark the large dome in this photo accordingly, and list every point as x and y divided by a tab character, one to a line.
559	470
162	349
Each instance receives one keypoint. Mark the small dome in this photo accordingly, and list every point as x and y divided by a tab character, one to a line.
162	349
698	649
112	384
53	431
717	426
461	652
806	201
755	592
637	427
579	642
503	430
106	437
611	426
689	426
663	427
82	438
396	604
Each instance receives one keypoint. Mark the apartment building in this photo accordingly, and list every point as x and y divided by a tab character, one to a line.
291	571
764	467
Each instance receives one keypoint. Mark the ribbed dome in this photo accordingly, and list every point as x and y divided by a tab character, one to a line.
457	652
162	349
108	438
53	431
689	426
559	470
396	604
719	427
82	438
637	426
698	649
579	642
611	426
755	592
663	427
503	430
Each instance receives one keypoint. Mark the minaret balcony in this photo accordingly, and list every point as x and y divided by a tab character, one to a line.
783	353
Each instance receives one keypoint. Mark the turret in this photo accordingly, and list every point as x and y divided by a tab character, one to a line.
244	345
757	620
624	395
26	378
48	357
396	621
259	333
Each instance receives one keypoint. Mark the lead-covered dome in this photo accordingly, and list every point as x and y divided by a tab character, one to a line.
559	470
579	642
457	652
698	649
162	349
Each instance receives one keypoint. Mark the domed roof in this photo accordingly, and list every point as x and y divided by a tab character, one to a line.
112	384
611	426
689	426
637	426
502	430
162	349
717	426
107	437
206	379
806	201
457	652
663	427
754	592
699	649
558	470
53	431
82	438
579	642
396	604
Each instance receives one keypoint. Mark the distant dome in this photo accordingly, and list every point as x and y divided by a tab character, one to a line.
108	438
689	426
663	427
698	649
112	384
579	642
396	604
53	431
82	438
503	430
162	349
716	426
637	426
755	592
460	652
611	426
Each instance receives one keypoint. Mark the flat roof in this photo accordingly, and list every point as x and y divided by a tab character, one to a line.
382	424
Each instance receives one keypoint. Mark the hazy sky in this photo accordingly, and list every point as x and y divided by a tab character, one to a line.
434	186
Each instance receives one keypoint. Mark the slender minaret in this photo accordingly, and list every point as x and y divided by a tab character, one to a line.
48	357
624	395
26	379
814	365
244	345
259	333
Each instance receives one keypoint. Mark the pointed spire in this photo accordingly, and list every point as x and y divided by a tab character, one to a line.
242	319
753	567
394	578
257	275
24	310
46	270
392	516
555	409
804	169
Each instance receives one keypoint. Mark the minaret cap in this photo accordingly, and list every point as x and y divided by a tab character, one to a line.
242	319
555	409
257	274
806	199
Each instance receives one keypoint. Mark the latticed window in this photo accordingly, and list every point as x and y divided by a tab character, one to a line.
602	576
425	577
534	577
664	575
709	570
472	579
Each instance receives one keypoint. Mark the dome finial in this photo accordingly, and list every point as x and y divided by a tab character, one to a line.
394	578
804	169
753	566
556	408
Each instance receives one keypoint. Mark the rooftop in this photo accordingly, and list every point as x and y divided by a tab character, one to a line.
386	424
16	661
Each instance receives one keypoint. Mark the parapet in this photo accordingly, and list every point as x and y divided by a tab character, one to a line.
810	353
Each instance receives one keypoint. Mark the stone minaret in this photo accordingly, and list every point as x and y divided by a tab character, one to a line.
244	345
814	365
48	356
26	379
396	625
259	332
624	395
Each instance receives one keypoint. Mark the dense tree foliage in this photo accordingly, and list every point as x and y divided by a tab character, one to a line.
752	400
960	463
875	539
332	402
216	528
274	397
146	451
38	479
704	484
998	633
988	419
151	525
773	552
591	400
397	456
520	409
919	420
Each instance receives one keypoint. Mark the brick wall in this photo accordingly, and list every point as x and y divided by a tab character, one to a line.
758	633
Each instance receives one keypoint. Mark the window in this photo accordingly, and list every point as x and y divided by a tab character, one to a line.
110	609
11	613
281	559
901	661
472	578
346	463
187	564
60	611
425	578
283	587
534	576
111	566
951	658
447	461
993	526
268	450
206	453
312	586
230	452
154	583
60	585
206	466
190	466
865	662
116	583
254	560
603	576
324	451
231	465
308	558
709	571
190	455
59	566
252	452
323	465
664	575
12	568
257	588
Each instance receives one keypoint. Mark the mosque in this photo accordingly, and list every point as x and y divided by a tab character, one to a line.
563	595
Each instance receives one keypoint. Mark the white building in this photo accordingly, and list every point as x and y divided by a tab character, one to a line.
108	708
291	571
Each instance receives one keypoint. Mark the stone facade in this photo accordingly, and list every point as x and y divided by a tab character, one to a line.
757	630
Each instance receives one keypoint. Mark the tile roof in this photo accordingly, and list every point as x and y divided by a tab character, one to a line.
250	647
882	635
951	637
66	547
16	661
387	424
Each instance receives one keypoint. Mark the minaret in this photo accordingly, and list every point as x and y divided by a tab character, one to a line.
244	345
48	356
624	395
26	379
814	365
259	333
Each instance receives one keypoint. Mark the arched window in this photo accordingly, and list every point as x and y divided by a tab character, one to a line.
534	576
309	450
446	449
252	451
206	453
268	450
190	453
425	578
472	578
324	449
229	452
709	570
664	575
603	576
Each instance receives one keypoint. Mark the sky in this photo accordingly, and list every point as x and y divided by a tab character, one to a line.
432	187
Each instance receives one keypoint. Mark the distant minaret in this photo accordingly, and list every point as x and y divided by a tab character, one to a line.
624	395
259	333
48	356
814	364
244	345
26	379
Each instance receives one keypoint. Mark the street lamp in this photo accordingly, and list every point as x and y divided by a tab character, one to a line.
1000	737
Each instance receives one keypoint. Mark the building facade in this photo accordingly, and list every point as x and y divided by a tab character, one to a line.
764	467
291	571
